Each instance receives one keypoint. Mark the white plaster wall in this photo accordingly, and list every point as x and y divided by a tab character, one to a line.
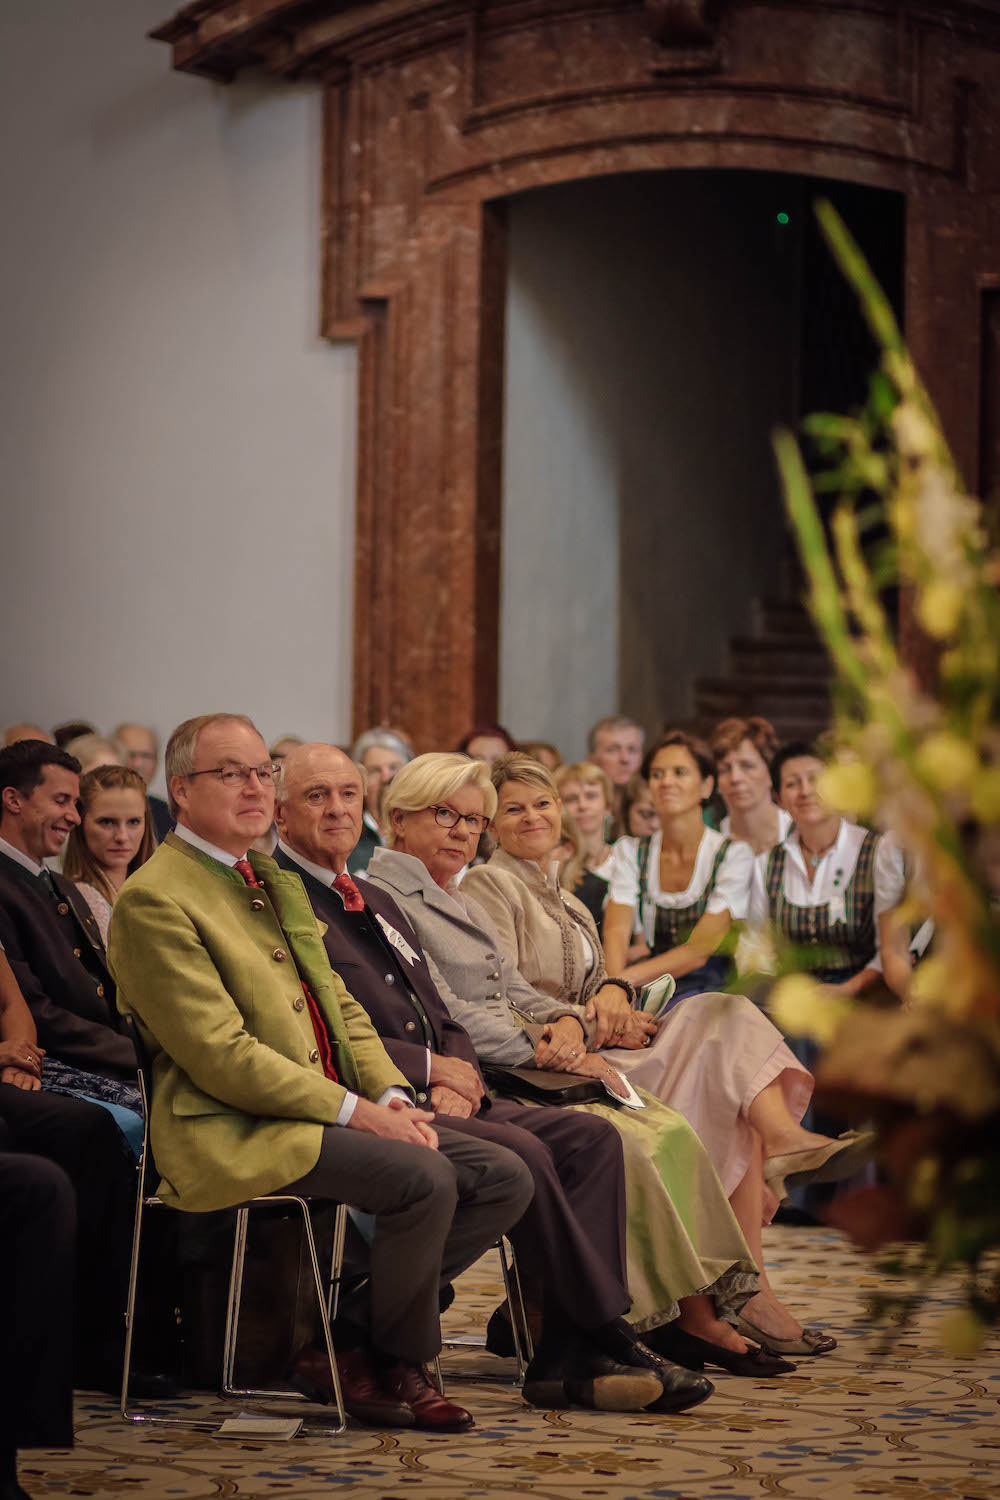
651	347
559	581
177	443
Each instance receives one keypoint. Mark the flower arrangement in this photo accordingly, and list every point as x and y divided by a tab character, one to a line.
921	758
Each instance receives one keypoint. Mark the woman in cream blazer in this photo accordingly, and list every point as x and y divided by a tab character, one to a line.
717	1059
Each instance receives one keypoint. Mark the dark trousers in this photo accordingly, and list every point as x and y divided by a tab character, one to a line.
37	1232
571	1239
435	1214
85	1142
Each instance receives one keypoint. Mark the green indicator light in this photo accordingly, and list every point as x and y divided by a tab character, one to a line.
782	218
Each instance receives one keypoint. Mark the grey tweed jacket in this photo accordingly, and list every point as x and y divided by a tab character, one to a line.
480	985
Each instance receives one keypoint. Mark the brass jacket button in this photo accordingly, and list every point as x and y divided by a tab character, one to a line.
298	1003
421	1098
390	979
63	909
100	990
256	904
76	953
314	1055
279	955
410	1026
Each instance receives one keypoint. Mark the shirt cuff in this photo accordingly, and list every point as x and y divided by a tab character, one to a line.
395	1092
347	1109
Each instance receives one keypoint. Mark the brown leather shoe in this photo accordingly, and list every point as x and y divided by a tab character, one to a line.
431	1411
364	1399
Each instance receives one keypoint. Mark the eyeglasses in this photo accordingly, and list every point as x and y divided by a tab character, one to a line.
234	775
447	817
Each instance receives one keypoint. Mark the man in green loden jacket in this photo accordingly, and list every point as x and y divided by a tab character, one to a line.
268	1076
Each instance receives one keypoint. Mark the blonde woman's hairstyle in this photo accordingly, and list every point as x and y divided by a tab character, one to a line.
517	766
183	743
584	771
430	780
79	863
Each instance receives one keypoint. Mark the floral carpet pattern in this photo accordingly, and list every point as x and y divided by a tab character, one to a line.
912	1424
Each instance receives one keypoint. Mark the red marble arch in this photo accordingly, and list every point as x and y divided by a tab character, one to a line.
437	110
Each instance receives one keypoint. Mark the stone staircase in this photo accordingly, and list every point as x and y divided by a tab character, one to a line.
781	671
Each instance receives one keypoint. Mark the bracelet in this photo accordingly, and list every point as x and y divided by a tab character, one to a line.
623	984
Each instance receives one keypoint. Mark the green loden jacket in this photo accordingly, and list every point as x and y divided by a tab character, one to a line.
213	970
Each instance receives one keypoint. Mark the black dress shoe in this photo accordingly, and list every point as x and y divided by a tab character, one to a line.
681	1388
578	1374
694	1353
500	1336
364	1399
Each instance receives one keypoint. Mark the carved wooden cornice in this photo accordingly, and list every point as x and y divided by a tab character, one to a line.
216	38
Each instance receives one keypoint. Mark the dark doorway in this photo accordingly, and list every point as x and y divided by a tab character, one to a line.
660	325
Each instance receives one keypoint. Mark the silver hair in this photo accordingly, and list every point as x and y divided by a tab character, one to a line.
382	739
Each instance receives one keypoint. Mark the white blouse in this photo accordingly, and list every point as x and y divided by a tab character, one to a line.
833	875
731	886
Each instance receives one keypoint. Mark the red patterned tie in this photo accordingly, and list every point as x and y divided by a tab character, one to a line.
353	899
319	1026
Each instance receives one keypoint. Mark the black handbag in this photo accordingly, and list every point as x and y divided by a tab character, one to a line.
544	1087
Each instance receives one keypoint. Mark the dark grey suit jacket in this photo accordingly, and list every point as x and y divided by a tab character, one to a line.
59	962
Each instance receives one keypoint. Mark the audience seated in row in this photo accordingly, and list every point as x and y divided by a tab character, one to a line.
201	937
676	895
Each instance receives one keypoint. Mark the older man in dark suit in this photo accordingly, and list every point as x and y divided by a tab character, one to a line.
572	1235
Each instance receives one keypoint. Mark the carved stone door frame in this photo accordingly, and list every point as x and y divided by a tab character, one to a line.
436	111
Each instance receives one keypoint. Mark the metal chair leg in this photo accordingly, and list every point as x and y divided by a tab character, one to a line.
129	1414
337	1262
133	1278
258	1393
234	1301
524	1350
321	1304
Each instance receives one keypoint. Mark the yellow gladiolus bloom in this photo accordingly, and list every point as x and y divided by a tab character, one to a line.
948	761
801	1007
984	797
849	786
939	608
962	1333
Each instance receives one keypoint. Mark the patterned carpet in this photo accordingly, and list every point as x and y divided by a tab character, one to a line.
915	1424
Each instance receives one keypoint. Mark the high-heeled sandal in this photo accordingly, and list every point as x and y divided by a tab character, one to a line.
694	1353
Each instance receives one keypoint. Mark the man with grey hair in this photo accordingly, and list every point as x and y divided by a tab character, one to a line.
616	744
142	754
269	1076
380	753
